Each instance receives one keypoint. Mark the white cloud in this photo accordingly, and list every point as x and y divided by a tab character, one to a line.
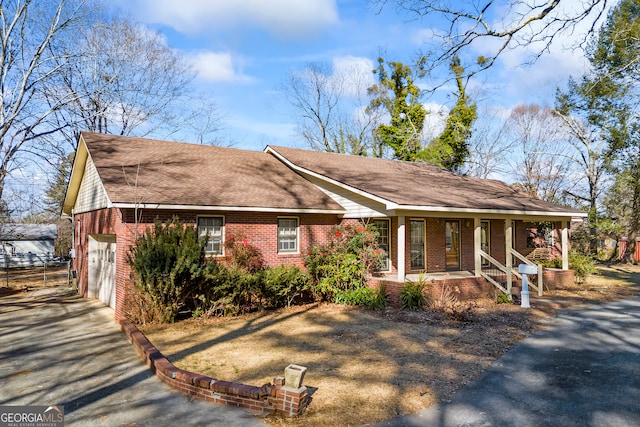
435	121
355	74
532	71
283	18
218	67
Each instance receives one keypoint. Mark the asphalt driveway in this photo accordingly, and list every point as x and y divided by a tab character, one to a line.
584	370
59	349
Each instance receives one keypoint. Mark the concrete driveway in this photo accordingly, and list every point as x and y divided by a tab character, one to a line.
584	370
59	349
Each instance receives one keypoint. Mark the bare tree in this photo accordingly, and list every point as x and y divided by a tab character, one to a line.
30	60
523	23
488	146
327	120
125	80
541	162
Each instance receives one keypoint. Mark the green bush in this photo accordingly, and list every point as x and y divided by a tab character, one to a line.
344	263
551	263
167	261
503	298
379	300
241	254
412	295
371	298
582	265
284	284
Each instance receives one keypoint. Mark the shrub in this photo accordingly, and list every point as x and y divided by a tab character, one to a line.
242	254
344	263
167	261
582	265
503	298
283	284
412	295
371	298
230	291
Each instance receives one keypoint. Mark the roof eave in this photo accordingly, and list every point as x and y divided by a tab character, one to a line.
77	172
161	206
575	216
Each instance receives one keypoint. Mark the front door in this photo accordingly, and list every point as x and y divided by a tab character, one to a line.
452	245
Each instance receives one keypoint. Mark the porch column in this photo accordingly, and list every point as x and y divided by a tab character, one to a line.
565	245
508	243
401	248
477	246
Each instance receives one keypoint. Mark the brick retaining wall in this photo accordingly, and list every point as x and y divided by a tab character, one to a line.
466	288
265	400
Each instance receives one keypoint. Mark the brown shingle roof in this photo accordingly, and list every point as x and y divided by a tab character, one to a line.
146	171
417	184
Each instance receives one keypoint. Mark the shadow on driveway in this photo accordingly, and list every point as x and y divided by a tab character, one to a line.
582	371
59	349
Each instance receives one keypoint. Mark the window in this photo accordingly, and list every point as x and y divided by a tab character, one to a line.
213	227
382	226
417	243
485	241
287	235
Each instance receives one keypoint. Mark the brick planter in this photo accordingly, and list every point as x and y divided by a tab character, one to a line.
556	277
264	400
467	288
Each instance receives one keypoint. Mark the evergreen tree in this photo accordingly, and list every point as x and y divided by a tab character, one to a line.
450	150
398	94
58	187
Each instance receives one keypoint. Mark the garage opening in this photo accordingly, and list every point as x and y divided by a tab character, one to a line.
102	268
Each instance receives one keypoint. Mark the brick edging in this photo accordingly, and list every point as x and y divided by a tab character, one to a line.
268	399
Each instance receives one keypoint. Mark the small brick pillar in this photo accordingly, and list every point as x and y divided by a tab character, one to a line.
288	401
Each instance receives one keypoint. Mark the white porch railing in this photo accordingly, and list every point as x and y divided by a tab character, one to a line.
495	273
501	276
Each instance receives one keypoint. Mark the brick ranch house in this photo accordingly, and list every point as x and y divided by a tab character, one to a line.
284	200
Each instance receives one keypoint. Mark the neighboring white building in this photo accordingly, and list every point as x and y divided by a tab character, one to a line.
27	245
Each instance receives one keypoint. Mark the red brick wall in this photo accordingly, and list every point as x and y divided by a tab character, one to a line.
463	289
467	260
435	245
259	228
105	221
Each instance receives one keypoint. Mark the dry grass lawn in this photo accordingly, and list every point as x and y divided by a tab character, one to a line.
365	366
16	280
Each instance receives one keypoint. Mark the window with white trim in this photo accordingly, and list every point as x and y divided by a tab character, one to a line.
212	226
287	235
382	226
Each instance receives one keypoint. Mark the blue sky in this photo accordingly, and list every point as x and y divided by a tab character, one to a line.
243	50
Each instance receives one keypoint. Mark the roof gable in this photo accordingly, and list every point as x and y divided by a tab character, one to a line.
140	171
415	185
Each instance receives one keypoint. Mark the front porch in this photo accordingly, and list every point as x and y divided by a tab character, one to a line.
465	285
484	252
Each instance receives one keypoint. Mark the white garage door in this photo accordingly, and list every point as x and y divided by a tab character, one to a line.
102	269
